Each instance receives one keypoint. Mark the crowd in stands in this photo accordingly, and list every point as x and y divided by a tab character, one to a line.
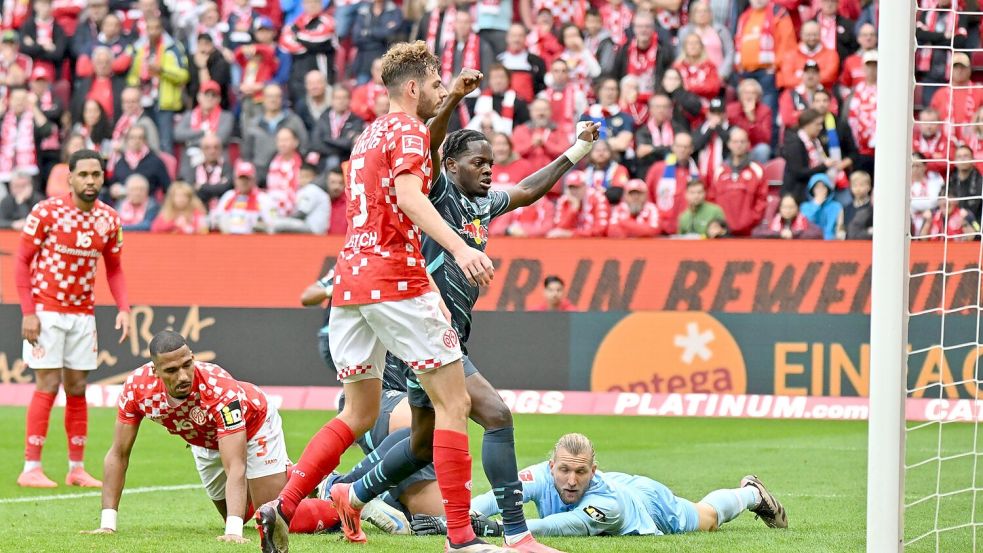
718	117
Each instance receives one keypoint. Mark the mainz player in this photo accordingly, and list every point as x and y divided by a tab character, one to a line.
55	272
236	436
384	300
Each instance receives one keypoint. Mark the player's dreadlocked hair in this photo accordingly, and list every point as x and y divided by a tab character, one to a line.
405	61
457	142
574	444
165	341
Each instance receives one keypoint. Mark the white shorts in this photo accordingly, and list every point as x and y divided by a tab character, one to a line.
413	330
266	454
67	340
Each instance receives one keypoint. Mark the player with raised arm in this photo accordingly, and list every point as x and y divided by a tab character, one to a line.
235	434
462	194
55	273
575	499
384	300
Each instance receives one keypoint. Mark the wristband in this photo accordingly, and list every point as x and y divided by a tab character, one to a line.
233	526
108	519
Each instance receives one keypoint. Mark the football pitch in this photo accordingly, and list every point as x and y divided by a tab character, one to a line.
817	469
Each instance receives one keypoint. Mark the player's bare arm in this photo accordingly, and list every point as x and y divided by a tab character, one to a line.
536	185
114	475
411	201
319	292
464	84
232	450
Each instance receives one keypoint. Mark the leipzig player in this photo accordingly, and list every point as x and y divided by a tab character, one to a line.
384	300
235	434
55	271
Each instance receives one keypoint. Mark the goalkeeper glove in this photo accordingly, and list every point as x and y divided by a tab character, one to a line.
429	525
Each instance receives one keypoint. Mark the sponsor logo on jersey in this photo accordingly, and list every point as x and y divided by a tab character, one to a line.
475	231
197	415
31	225
596	514
450	338
413	145
232	414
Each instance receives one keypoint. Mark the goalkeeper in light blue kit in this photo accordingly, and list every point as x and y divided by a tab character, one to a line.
575	499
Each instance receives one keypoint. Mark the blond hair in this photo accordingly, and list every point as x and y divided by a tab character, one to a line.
574	444
169	212
408	60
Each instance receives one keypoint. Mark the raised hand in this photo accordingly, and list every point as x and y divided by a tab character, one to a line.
467	82
588	132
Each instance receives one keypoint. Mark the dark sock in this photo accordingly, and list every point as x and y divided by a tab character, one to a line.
373	458
398	464
498	459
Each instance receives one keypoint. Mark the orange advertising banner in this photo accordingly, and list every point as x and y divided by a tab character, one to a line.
726	276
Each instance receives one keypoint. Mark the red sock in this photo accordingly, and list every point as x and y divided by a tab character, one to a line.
320	457
76	426
452	462
250	511
38	414
313	515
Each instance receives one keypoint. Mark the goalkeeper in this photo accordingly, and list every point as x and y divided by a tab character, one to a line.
575	499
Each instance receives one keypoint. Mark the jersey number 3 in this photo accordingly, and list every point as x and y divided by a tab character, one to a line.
358	193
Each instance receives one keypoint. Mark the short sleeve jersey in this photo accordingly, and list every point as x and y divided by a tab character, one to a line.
382	258
218	405
69	242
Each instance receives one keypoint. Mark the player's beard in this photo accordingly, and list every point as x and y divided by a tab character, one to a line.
428	106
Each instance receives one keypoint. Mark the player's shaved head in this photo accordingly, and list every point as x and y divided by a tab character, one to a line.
166	341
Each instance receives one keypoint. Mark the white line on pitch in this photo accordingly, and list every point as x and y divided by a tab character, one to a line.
148	489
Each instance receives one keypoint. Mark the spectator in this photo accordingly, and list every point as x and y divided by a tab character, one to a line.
12	62
160	70
837	142
764	37
203	19
210	172
698	72
793	101
944	29
43	39
966	97
667	181
582	210
182	212
581	62
539	141
687	109
57	184
265	38
336	192
464	49
500	101
377	22
88	28
95	128
315	100
739	186
810	49
554	296
973	137
239	23
23	127
527	70
717	41
337	129
259	138
617	18
949	221
312	210
598	39
97	81
822	209
49	148
926	185
861	114
647	55
751	114
699	213
15	207
111	36
138	158
508	168
653	140
567	101
966	182
710	140
209	64
632	102
283	175
932	142
207	117
852	70
436	28
603	171
858	215
566	11
804	155
258	64
615	127
634	216
788	223
364	96
245	209
344	13
132	114
835	30
532	221
542	41
137	209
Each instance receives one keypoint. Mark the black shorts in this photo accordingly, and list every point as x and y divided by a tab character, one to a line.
371	439
426	474
417	396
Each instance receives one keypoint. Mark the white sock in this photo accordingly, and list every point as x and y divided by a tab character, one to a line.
353	499
31	465
72	465
512	540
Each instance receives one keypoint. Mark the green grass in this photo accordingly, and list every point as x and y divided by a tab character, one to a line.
816	468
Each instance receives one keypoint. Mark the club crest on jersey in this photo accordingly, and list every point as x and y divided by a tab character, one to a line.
232	414
38	352
102	227
197	415
595	513
475	230
413	145
450	338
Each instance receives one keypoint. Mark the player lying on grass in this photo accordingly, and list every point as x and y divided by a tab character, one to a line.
236	437
462	194
575	499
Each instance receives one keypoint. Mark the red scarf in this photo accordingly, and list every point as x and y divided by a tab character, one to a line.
617	21
799	224
485	104
563	103
662	135
814	149
15	12
46	30
206	174
471	57
642	64
17	148
923	56
130	214
244	21
338	122
827	31
207	123
133	158
711	156
239	202
766	47
863	117
446	30
53	140
673	20
282	182
927	146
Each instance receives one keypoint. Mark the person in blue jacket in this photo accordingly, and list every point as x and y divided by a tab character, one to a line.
820	207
